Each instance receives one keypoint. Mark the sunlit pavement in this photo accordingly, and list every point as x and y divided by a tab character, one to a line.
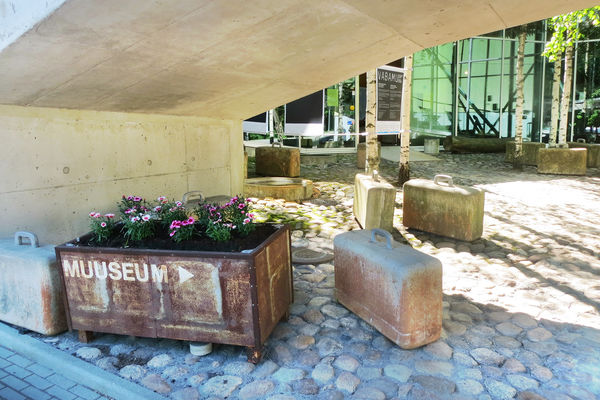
521	305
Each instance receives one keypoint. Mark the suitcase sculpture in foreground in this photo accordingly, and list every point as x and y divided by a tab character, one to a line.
31	295
442	208
393	287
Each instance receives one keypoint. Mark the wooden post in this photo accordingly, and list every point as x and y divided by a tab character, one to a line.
372	163
404	172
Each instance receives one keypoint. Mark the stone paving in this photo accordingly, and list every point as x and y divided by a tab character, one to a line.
21	379
521	305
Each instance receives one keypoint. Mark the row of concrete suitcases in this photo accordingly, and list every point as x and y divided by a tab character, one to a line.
392	286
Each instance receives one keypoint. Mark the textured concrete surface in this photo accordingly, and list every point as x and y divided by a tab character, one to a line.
373	202
562	161
443	208
230	59
59	165
278	161
31	293
593	153
530	152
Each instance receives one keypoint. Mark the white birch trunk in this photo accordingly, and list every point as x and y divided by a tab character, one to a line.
555	104
404	172
566	97
518	159
372	163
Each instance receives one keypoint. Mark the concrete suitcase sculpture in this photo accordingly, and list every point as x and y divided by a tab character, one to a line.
30	287
442	208
278	161
392	286
374	200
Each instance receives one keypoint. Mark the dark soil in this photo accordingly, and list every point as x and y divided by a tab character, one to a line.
199	243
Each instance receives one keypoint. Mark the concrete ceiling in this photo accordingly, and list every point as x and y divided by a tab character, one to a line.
231	58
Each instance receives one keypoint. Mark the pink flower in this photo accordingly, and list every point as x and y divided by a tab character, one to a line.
103	224
129	197
241	205
157	208
191	220
134	219
137	198
92	213
161	199
250	215
109	215
172	233
242	212
175	224
247	221
146	217
178	203
184	223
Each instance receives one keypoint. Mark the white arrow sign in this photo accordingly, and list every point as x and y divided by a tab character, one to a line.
184	275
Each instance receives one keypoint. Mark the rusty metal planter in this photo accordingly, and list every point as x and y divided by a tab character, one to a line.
230	298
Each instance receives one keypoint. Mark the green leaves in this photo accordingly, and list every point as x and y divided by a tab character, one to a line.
566	30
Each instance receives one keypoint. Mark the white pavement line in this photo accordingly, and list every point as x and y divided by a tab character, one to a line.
73	368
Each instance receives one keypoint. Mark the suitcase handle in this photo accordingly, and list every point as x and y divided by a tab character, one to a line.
385	234
580	140
277	143
33	240
439	179
194	195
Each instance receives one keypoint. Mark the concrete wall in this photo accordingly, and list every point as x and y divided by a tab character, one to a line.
19	16
58	165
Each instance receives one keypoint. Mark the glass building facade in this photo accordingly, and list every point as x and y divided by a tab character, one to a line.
468	87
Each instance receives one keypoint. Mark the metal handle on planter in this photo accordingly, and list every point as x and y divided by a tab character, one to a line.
195	195
439	179
580	140
277	143
33	239
385	234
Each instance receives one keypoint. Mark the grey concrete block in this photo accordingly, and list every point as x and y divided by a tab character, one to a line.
30	288
374	202
562	161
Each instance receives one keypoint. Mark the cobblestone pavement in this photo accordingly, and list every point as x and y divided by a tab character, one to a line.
521	305
21	378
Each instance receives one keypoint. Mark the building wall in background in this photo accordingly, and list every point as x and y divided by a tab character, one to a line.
58	165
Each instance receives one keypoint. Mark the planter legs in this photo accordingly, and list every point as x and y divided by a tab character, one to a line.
254	355
86	336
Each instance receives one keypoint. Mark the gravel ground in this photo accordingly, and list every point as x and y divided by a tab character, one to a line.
521	304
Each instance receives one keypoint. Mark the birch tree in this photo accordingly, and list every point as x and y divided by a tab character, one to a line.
565	33
404	172
555	103
518	158
520	32
372	163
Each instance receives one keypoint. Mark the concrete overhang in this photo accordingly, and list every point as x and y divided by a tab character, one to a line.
230	59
